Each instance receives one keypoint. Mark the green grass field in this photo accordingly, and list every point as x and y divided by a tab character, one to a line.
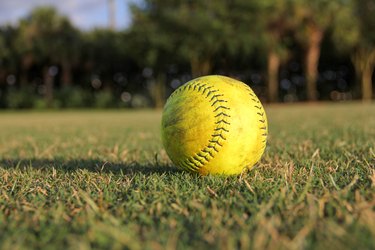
101	179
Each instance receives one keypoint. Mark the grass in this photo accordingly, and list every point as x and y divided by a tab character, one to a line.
81	180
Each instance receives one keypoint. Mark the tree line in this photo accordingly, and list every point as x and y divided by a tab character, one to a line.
287	50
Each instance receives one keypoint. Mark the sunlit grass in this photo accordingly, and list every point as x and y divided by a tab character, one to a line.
101	179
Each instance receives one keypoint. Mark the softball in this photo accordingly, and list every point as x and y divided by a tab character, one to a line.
214	125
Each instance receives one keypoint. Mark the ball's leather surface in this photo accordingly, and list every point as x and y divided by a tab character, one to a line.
214	125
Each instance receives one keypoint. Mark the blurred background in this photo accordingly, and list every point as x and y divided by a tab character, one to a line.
134	53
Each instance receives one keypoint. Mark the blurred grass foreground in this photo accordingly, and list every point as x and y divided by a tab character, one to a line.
95	179
287	51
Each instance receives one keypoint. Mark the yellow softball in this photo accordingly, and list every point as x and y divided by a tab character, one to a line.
214	125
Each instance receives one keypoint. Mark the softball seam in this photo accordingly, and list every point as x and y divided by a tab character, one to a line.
218	102
258	106
260	113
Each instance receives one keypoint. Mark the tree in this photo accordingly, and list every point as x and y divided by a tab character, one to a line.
276	25
203	29
353	33
3	55
313	18
9	58
195	31
47	38
188	32
151	46
104	53
68	54
363	55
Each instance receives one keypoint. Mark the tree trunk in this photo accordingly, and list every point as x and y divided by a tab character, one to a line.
2	77
364	63
48	84
367	76
23	77
367	83
355	58
159	91
26	62
312	61
200	67
273	66
66	73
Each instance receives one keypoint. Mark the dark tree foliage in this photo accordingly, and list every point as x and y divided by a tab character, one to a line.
285	50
